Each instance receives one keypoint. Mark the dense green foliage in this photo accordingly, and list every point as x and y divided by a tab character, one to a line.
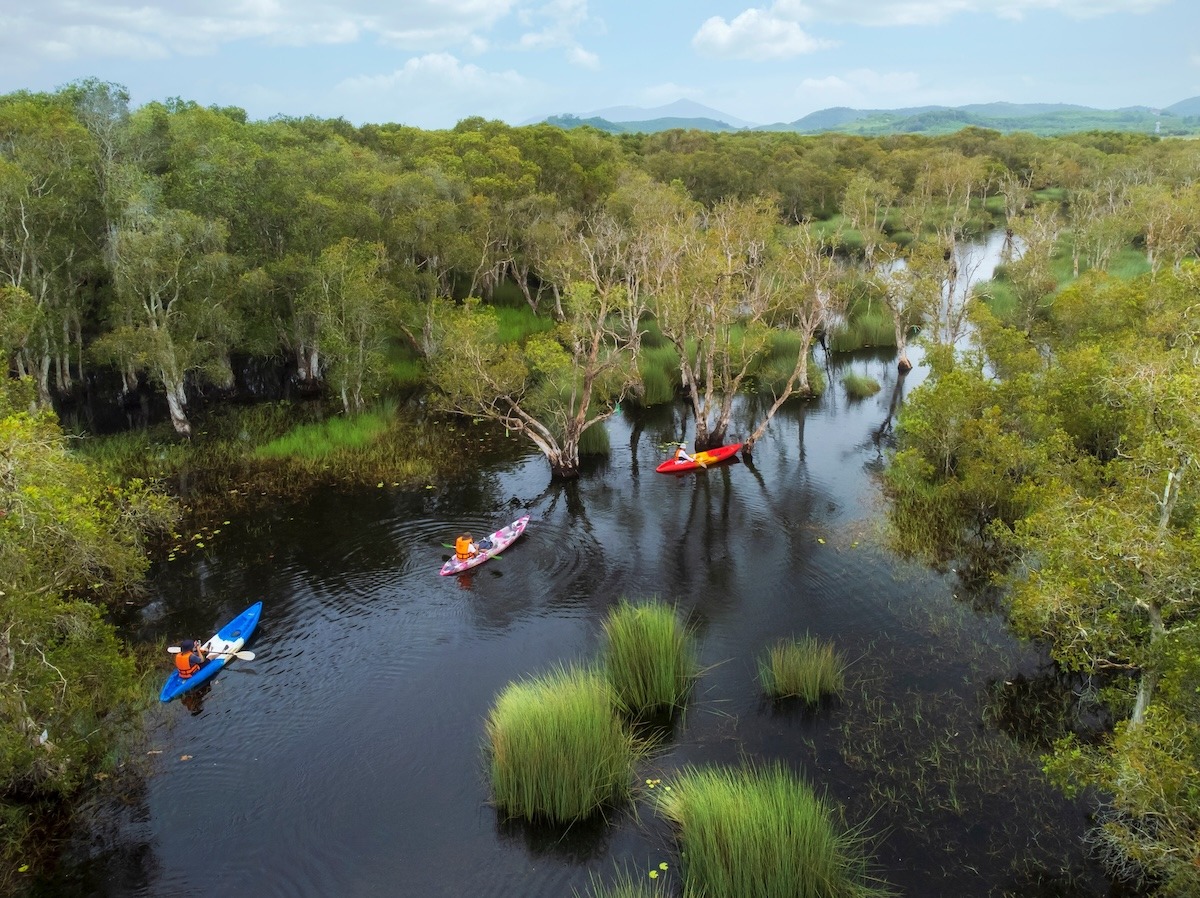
67	684
1073	477
158	247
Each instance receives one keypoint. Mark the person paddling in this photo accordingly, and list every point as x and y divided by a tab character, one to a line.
464	548
190	659
681	456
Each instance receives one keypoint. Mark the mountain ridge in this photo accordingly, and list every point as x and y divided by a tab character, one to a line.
1181	118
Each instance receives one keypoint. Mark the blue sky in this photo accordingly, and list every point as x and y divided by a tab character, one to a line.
430	63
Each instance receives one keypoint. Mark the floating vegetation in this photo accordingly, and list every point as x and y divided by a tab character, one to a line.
559	751
803	668
649	656
761	834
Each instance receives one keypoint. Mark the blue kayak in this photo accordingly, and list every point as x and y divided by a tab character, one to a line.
230	638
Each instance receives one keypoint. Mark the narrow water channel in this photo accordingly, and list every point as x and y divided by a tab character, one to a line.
347	758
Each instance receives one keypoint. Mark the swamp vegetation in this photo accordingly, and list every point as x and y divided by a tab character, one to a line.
271	305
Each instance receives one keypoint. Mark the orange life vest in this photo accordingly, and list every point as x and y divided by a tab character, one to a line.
183	664
462	548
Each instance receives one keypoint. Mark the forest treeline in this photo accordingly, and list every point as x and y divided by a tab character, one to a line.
161	247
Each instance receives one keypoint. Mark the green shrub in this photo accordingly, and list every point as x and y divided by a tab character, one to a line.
559	751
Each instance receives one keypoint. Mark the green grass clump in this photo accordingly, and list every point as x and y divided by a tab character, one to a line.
870	326
659	369
802	667
859	386
761	834
322	438
559	751
1128	264
516	323
594	441
626	886
649	656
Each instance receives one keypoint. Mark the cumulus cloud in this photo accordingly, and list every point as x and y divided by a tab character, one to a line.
583	58
555	25
72	29
930	12
754	34
859	88
661	94
434	90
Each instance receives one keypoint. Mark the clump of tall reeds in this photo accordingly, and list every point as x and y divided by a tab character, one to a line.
761	834
559	750
626	886
648	655
658	367
804	668
859	386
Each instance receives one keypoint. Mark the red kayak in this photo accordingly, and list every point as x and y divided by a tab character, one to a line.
699	459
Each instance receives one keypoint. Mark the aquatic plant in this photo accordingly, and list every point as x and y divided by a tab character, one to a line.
659	369
761	833
859	386
558	749
802	667
648	656
628	886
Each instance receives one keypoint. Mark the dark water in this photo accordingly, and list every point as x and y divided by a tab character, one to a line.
347	759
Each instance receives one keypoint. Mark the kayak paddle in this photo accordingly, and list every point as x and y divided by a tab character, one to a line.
245	656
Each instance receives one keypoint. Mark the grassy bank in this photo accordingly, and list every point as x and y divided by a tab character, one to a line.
240	454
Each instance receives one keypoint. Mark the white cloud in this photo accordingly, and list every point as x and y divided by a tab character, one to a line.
72	29
932	12
662	94
434	91
859	88
754	34
583	58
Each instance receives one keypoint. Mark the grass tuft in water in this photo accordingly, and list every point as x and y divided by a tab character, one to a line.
649	656
559	751
804	668
659	369
761	834
860	386
627	886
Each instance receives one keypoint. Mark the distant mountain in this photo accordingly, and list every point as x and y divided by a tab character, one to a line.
649	126
1045	119
1185	107
1037	118
681	110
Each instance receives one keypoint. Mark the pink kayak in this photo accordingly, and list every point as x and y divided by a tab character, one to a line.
496	543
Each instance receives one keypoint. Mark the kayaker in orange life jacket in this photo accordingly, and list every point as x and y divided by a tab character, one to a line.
190	658
464	548
680	455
